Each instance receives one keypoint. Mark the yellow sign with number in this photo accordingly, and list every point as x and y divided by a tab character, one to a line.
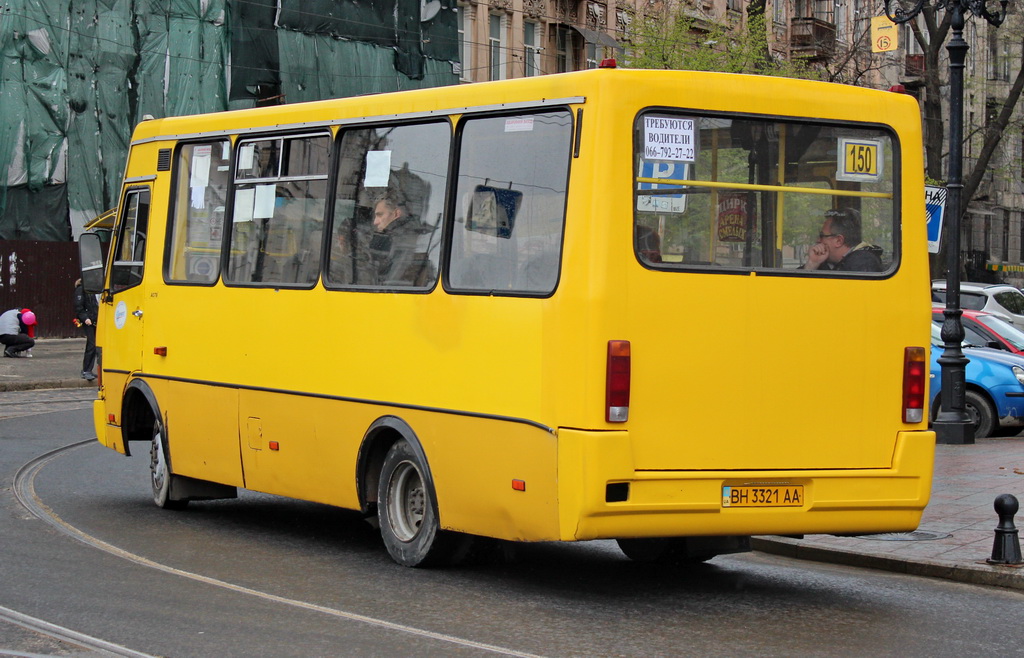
859	160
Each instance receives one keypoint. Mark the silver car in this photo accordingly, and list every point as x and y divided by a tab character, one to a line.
997	298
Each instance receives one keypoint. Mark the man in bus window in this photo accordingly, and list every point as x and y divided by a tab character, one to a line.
648	244
839	246
394	245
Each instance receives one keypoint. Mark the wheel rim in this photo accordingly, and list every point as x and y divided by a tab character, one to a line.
157	463
407	501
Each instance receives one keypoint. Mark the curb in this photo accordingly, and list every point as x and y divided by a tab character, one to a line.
57	383
974	573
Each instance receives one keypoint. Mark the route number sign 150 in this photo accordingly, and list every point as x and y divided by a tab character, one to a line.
860	160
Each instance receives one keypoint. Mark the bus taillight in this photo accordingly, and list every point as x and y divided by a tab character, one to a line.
617	383
915	378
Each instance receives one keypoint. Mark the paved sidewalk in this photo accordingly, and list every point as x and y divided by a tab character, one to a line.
957	531
55	363
954	540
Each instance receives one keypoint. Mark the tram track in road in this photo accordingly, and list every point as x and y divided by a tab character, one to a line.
63	635
27	403
24	491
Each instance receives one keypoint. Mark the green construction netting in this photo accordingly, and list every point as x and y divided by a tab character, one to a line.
73	82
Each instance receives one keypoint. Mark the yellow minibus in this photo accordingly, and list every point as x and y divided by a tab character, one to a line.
674	309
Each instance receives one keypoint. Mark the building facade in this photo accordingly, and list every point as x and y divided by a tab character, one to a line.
501	39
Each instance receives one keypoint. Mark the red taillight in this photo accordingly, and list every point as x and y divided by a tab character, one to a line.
617	383
915	382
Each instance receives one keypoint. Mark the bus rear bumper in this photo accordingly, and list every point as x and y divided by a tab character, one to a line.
610	503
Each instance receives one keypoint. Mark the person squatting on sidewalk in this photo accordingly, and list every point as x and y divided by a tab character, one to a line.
86	312
17	331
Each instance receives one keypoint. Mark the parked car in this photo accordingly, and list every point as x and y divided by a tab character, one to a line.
986	330
999	299
995	387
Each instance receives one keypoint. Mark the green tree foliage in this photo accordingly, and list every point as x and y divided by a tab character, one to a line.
673	35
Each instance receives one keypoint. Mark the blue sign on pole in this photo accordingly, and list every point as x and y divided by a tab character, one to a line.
934	205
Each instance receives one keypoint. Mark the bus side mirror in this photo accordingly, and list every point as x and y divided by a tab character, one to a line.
90	256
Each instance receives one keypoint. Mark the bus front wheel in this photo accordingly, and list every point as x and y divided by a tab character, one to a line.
407	511
160	472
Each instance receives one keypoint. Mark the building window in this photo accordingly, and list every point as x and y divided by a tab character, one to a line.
1006	236
531	48
591	51
779	9
465	43
823	10
496	47
999	59
563	50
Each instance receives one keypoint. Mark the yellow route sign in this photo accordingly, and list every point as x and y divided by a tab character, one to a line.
885	37
859	160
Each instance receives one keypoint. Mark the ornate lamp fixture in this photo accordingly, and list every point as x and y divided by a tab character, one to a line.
953	425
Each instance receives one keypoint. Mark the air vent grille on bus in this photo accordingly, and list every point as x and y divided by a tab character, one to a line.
163	160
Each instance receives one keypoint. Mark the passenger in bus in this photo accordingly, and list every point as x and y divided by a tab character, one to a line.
648	244
394	245
840	247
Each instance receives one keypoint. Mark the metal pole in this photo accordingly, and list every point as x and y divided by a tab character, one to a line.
952	424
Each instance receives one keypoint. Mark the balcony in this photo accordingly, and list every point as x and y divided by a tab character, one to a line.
914	66
812	38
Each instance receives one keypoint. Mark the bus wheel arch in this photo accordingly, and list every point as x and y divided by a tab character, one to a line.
394	478
139	410
377	441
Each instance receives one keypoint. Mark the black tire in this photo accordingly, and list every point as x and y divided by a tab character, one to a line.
661	550
407	510
981	413
161	475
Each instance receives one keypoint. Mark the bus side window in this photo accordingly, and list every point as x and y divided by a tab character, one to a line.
196	227
513	172
280	192
388	206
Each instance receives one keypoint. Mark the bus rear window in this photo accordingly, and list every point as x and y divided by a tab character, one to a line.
764	193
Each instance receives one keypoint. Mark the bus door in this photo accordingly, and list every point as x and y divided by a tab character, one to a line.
126	301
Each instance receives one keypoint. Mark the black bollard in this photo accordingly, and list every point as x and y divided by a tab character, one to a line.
1006	549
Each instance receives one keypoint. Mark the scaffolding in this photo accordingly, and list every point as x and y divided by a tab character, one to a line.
76	77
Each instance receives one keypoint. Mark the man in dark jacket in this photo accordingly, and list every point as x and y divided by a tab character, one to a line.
839	246
86	311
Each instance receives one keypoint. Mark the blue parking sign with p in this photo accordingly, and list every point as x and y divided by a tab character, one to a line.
672	203
934	204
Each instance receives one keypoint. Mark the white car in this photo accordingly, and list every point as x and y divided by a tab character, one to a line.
997	298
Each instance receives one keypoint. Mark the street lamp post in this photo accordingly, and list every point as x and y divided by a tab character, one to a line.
953	425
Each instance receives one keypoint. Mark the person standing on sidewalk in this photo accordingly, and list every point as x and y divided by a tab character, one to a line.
17	331
86	312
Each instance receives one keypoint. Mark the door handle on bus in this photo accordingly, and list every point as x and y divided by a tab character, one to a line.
137	312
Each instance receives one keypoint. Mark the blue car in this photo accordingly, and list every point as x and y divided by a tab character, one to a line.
995	387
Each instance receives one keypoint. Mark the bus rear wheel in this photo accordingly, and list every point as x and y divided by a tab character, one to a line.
407	511
160	472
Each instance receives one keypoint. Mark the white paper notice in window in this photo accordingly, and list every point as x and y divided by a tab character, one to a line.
378	169
519	124
670	138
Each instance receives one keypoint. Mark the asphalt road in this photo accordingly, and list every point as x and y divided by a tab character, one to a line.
91	567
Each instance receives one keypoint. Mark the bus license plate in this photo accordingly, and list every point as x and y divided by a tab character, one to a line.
790	495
